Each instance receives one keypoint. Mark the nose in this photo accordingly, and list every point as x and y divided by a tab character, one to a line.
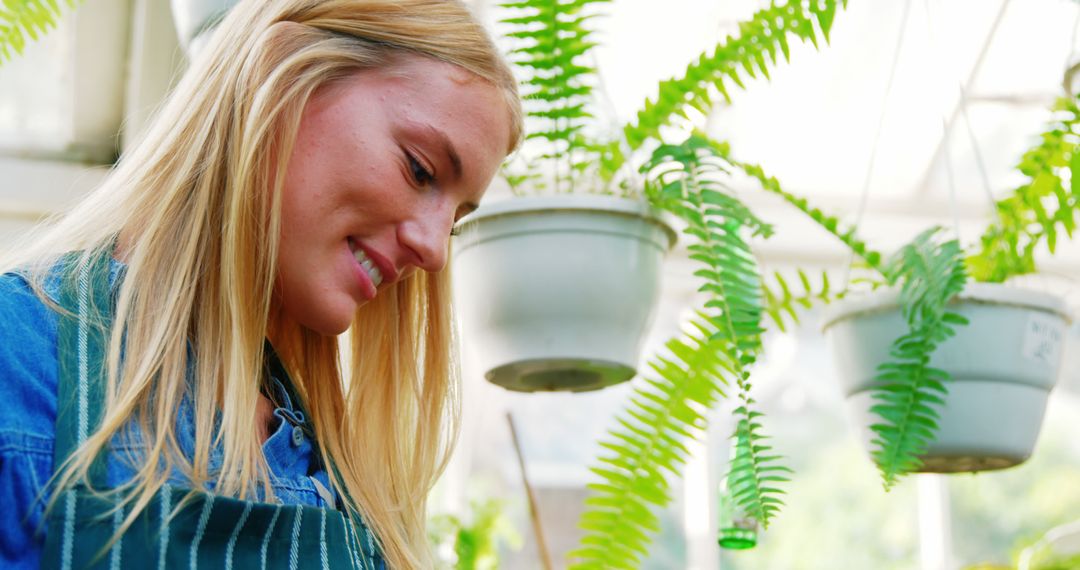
427	237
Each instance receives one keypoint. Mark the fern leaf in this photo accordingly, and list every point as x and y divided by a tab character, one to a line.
783	305
1035	212
751	51
555	38
908	391
23	20
691	375
830	223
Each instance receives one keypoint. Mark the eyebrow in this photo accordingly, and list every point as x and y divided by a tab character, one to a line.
455	161
448	148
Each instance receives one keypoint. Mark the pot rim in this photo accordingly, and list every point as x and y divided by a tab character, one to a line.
985	293
525	205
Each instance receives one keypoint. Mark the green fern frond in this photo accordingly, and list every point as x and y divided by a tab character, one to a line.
647	447
555	38
698	166
690	375
1039	210
22	20
908	391
753	476
759	43
831	224
688	181
783	301
522	174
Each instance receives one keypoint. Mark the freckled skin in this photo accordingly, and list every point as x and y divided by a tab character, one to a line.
349	178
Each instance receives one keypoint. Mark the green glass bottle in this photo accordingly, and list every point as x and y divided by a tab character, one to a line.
738	528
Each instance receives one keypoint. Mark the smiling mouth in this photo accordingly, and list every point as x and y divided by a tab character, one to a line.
369	266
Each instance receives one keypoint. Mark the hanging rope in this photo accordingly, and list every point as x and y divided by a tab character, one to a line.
978	155
945	136
962	104
1070	67
953	207
979	163
635	182
863	199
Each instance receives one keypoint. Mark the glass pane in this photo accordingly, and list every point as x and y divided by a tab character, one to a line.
36	92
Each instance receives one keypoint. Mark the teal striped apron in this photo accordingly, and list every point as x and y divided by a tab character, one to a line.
209	531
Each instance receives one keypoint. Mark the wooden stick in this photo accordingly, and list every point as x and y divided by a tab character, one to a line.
534	512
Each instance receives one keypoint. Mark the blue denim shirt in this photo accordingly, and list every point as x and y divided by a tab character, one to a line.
29	376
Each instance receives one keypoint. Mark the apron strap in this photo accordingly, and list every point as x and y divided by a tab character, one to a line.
83	329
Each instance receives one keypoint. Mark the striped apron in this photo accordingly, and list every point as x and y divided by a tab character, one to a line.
207	531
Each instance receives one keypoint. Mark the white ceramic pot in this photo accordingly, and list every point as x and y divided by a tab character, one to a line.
1003	364
557	292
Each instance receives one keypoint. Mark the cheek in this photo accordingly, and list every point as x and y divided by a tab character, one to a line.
311	198
295	230
380	196
301	181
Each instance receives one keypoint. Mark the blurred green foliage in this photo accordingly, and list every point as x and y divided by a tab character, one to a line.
27	20
472	544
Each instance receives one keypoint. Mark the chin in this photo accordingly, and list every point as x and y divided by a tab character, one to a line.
326	330
332	331
330	323
326	314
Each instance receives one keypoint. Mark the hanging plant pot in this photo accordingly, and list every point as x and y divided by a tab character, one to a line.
557	292
1003	364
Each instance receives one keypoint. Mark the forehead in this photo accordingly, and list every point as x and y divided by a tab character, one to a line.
426	96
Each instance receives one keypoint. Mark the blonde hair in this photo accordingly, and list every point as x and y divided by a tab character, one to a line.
199	198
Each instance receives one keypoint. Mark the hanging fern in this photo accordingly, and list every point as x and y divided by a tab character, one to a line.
783	301
694	190
1040	209
733	60
691	374
22	20
555	39
723	340
648	447
907	389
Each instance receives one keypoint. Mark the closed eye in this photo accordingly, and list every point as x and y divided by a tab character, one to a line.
421	175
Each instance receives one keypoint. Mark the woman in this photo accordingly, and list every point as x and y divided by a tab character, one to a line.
302	180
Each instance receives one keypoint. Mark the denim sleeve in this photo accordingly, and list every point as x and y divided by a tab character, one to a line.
29	376
28	385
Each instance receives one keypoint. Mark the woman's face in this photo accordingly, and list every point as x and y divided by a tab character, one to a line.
383	165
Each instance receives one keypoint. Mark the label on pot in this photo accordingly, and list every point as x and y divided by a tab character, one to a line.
1042	339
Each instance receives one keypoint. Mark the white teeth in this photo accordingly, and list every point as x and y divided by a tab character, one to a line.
369	266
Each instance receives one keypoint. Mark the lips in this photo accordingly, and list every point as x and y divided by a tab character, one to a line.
377	268
369	266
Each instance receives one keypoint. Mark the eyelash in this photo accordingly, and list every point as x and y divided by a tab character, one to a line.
420	174
422	177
